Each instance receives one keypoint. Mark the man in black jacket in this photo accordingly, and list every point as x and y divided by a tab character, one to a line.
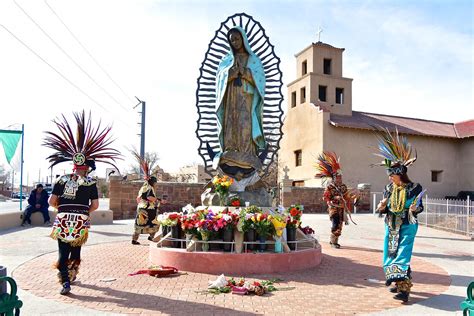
37	202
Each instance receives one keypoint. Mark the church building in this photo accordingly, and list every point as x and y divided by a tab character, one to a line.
320	117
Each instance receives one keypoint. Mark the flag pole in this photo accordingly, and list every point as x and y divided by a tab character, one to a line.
21	165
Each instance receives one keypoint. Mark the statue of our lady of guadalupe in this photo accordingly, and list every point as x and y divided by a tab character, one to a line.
240	92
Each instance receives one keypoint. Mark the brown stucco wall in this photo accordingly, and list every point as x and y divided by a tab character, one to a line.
123	196
312	199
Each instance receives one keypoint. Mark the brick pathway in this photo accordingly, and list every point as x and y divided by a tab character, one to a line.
339	285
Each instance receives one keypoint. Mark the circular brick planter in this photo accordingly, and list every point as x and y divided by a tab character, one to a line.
233	263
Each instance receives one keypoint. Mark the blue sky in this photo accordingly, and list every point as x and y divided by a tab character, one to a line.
408	58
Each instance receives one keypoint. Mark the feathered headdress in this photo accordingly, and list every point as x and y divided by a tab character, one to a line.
328	165
89	146
146	164
395	150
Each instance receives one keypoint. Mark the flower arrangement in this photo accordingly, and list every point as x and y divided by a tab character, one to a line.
263	224
307	230
242	286
235	201
226	220
221	186
189	223
169	219
279	223
246	223
294	213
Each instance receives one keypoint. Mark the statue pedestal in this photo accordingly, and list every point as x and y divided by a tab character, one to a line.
259	197
235	263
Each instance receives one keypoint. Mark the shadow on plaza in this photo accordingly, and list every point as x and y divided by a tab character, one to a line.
111	234
443	302
340	270
131	300
462	239
461	257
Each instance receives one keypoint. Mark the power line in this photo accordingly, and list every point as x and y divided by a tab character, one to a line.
68	56
58	72
87	51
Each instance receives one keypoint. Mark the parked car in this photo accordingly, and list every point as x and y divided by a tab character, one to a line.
462	195
16	195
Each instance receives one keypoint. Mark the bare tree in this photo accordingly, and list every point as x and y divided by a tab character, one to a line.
4	178
151	157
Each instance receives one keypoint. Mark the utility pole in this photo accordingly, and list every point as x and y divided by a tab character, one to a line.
142	132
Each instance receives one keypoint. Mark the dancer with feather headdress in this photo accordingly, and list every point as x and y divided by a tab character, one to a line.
146	221
336	195
75	195
401	203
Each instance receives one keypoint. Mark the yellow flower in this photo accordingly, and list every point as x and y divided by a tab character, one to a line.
259	217
253	218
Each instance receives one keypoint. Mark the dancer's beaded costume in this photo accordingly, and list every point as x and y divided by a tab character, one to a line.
336	195
147	203
403	204
74	192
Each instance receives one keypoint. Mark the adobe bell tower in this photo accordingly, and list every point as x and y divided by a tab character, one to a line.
319	80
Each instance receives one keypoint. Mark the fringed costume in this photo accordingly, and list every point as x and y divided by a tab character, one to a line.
402	202
336	195
74	194
145	220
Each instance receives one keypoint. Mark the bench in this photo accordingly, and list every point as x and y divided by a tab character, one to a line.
9	303
13	219
467	306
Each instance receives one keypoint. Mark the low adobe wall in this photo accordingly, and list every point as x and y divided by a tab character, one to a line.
123	197
312	199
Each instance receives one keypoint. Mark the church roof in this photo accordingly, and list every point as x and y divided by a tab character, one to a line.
465	128
406	125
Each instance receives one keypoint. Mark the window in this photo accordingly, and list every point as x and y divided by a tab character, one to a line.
436	175
322	93
293	99
327	66
303	95
304	68
298	183
339	95
298	156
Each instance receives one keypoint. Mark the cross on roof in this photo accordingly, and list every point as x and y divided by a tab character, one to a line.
320	30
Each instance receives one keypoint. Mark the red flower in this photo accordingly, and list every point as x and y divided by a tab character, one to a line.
235	203
173	216
294	212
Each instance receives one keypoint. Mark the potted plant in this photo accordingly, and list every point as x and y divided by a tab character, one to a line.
294	213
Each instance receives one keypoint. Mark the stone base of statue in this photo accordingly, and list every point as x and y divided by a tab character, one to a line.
260	197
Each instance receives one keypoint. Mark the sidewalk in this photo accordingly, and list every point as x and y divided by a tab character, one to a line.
451	252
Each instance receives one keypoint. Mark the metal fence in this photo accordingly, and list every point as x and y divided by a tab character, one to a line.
456	216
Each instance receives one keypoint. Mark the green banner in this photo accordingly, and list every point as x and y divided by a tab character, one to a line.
9	140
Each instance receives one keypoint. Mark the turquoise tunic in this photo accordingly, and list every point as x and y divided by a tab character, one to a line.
399	236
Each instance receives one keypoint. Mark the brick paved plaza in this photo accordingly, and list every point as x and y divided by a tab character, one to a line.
338	285
348	281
